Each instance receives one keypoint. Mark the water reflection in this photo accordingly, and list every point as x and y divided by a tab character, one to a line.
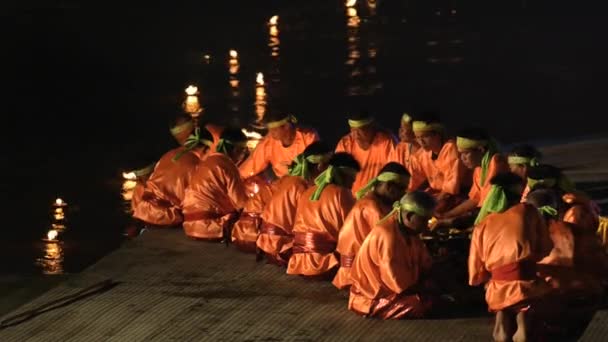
274	45
260	97
52	261
233	69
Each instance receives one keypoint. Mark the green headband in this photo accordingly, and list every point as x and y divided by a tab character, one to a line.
522	160
383	177
332	175
548	210
360	123
495	202
192	142
301	164
406	118
468	144
421	126
182	128
145	171
288	119
406	205
222	145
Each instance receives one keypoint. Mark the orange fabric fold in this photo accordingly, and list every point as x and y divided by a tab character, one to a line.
160	203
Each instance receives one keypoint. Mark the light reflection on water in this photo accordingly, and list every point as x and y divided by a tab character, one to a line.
52	260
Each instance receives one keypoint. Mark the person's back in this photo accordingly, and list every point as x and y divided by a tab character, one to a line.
389	269
507	245
319	217
316	229
160	202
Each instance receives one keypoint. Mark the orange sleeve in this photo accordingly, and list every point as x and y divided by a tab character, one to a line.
257	161
475	192
312	137
453	172
417	177
477	271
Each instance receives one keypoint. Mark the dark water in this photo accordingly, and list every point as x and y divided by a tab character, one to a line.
90	87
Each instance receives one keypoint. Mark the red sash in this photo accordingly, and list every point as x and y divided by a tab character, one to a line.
523	270
313	243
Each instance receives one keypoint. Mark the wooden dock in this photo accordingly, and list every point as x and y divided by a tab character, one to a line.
163	286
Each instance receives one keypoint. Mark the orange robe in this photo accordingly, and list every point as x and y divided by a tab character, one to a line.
316	229
358	223
478	192
445	174
246	229
503	244
278	216
214	196
371	160
404	153
271	151
160	203
387	267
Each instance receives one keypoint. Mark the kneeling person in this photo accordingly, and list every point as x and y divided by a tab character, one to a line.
388	273
216	193
375	201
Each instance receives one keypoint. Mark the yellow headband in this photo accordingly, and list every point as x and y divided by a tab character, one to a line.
522	160
421	126
468	144
360	123
407	205
406	118
318	158
279	123
383	177
182	128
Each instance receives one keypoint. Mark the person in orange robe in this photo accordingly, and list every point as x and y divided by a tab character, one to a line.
370	145
578	209
216	193
160	203
375	201
438	164
574	252
319	217
282	144
276	238
478	152
505	247
390	272
408	147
